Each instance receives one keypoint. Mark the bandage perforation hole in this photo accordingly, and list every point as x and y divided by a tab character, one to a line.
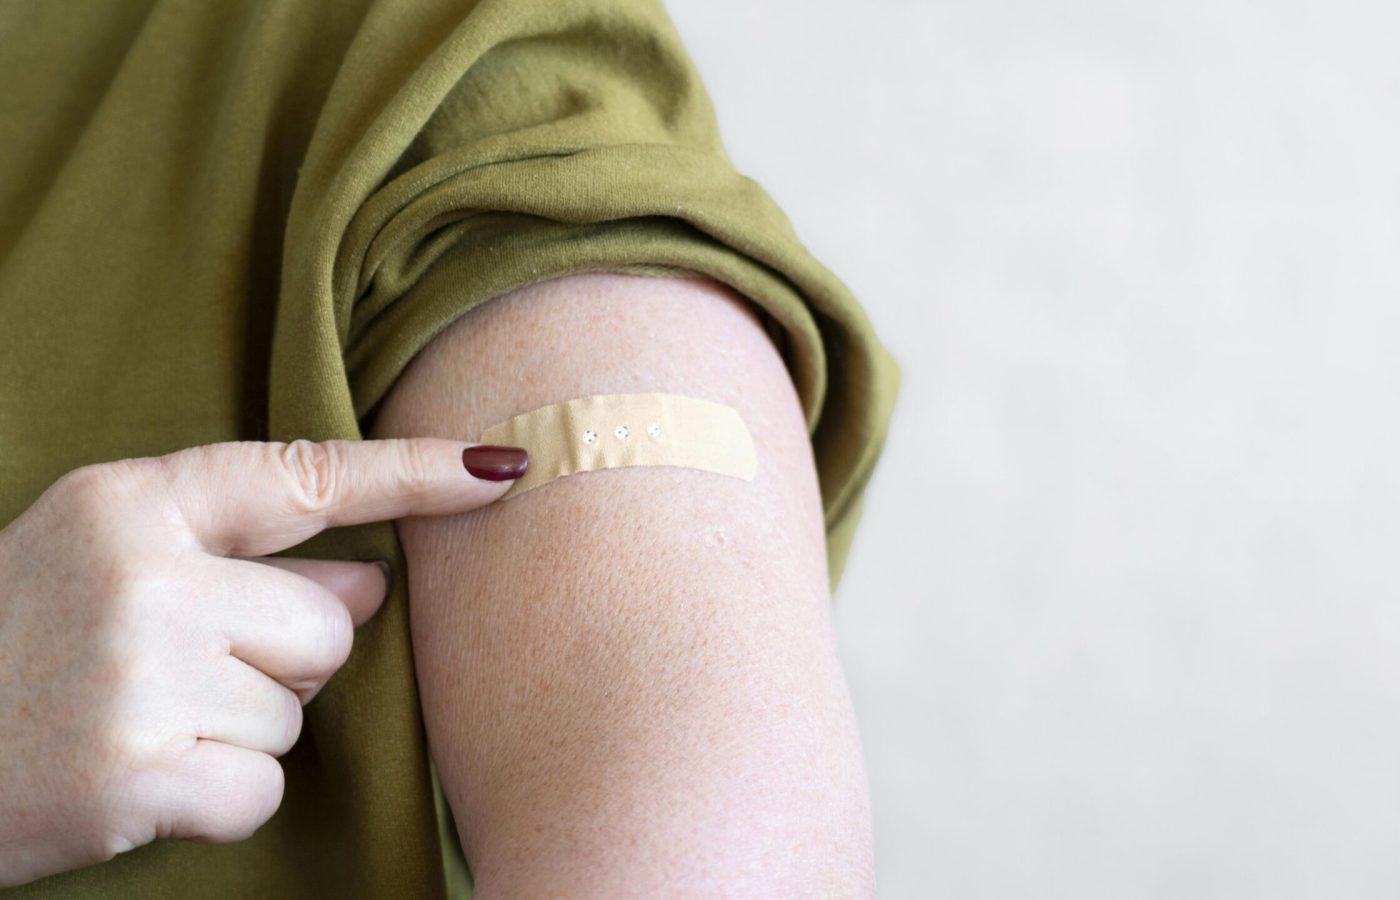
590	436
621	431
654	430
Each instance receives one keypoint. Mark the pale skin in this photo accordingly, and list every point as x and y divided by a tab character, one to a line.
629	677
153	662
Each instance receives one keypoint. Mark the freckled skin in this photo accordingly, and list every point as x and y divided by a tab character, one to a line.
629	676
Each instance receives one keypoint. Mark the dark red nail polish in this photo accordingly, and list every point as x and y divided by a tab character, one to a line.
492	463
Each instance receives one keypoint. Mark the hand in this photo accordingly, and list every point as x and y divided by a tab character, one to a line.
151	667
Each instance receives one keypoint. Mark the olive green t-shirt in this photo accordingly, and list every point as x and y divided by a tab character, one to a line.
241	220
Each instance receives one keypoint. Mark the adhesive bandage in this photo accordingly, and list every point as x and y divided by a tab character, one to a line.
610	431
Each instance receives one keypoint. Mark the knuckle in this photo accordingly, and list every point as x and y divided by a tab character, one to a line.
265	794
237	798
313	470
416	466
93	491
114	843
337	634
77	485
252	795
291	717
327	633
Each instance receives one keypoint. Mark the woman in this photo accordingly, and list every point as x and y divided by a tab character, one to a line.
237	240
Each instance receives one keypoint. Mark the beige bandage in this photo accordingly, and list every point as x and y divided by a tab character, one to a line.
609	431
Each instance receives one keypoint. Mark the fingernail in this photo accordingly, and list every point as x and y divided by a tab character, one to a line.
493	463
388	576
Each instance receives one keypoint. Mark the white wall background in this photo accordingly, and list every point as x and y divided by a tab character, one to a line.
1123	617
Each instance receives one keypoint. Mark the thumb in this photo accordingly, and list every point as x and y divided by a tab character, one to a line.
361	586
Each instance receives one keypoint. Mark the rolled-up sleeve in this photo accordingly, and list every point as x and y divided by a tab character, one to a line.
537	138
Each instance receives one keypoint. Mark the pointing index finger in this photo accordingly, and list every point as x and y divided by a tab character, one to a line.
252	498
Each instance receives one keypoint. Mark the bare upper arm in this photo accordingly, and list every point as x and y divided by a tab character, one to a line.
629	677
